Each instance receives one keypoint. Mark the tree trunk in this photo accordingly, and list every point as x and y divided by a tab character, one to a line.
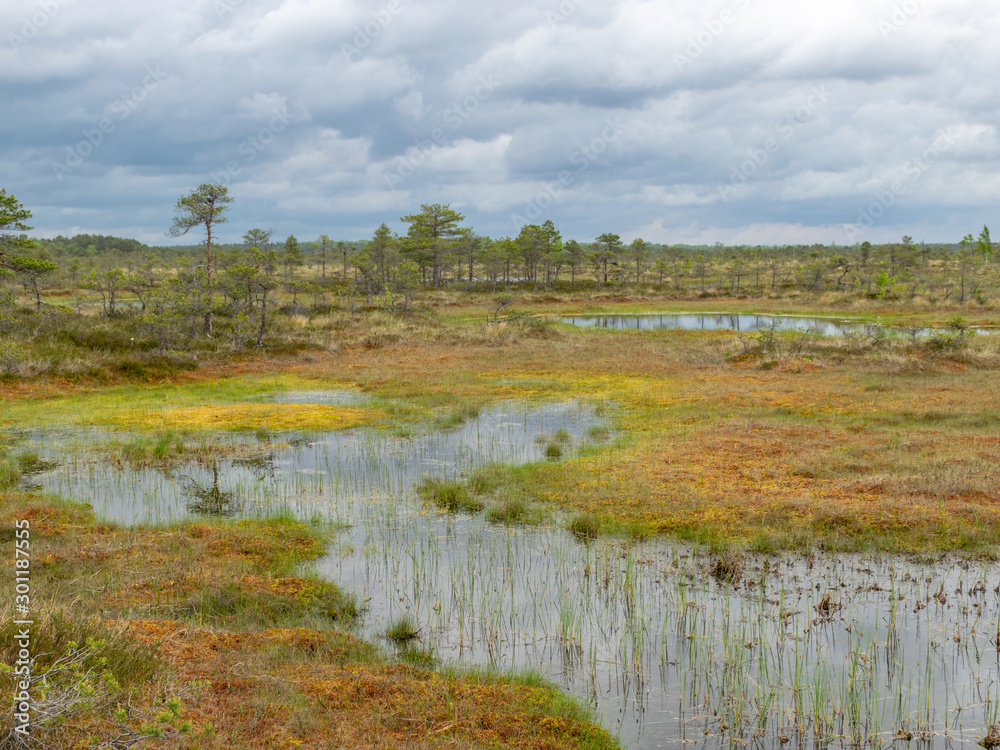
263	320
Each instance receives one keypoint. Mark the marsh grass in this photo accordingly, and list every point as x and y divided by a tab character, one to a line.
171	449
456	416
487	478
417	653
403	629
451	495
727	568
585	526
287	603
938	350
599	433
56	632
510	510
553	451
10	470
97	406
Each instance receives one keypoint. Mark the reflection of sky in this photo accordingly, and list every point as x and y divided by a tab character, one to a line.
636	628
316	473
724	322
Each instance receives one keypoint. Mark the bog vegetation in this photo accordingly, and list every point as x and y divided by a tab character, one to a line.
212	633
103	306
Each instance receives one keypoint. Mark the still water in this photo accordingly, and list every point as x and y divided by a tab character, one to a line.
671	645
745	323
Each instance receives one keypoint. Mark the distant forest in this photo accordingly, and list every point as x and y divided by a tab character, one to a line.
81	305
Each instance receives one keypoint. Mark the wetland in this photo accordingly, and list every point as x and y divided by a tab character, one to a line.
673	537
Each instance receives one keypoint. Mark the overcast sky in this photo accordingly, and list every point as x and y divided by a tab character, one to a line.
738	121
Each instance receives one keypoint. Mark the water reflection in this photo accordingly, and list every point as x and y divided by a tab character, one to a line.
208	499
734	322
670	644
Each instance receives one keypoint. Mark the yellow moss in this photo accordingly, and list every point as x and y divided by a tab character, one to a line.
278	417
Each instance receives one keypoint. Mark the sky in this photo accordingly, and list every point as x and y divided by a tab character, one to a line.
682	121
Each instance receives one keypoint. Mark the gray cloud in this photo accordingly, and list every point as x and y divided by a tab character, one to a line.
332	117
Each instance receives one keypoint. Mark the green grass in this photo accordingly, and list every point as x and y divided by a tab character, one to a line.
10	470
585	526
402	630
318	604
456	416
510	510
448	494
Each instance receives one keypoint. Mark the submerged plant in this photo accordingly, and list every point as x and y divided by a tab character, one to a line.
727	568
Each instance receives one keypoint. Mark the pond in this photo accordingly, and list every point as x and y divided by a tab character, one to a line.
741	322
669	643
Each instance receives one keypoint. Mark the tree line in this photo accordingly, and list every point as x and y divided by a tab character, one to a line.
245	280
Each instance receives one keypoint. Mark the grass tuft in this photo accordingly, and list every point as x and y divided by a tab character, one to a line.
403	630
511	510
457	416
448	494
585	526
727	568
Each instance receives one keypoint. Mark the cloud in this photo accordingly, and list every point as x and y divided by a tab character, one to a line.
696	89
